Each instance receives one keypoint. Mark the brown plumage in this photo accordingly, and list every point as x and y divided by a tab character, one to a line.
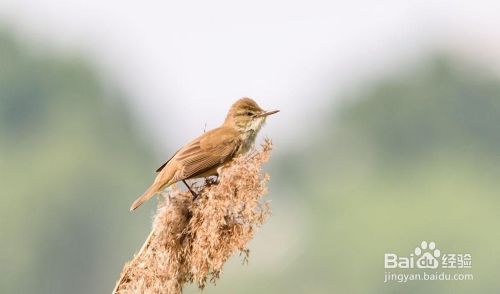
205	155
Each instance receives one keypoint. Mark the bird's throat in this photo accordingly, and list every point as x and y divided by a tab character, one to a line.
249	134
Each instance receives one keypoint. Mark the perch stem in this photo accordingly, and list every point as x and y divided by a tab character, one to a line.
125	273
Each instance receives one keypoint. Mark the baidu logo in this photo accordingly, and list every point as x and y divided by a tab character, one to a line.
427	256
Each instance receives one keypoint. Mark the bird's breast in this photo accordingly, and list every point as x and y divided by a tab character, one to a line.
247	141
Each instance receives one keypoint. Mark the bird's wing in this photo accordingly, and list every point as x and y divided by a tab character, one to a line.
163	165
207	152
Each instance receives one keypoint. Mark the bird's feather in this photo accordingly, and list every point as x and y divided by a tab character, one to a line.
163	165
207	152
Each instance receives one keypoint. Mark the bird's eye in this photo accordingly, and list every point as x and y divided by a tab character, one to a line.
249	113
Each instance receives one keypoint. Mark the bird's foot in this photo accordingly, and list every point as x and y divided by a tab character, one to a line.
212	180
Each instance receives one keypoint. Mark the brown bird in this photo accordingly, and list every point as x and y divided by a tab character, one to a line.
205	155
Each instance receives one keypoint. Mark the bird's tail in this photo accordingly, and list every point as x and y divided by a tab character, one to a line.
144	197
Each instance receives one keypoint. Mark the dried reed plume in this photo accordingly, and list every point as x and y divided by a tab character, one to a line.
191	240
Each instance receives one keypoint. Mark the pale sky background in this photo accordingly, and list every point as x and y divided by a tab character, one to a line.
183	63
176	60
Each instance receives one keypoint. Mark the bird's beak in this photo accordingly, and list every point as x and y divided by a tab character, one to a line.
266	113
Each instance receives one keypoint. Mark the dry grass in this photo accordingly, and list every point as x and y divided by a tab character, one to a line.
191	240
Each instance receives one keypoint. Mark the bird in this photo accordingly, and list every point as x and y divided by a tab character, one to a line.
207	154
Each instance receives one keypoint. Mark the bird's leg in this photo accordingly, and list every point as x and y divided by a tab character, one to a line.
190	190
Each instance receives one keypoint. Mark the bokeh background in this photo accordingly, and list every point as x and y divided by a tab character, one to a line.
388	136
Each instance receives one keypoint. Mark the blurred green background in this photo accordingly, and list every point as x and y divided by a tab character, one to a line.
411	156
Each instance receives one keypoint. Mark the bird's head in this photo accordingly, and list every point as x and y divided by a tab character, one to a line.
245	115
